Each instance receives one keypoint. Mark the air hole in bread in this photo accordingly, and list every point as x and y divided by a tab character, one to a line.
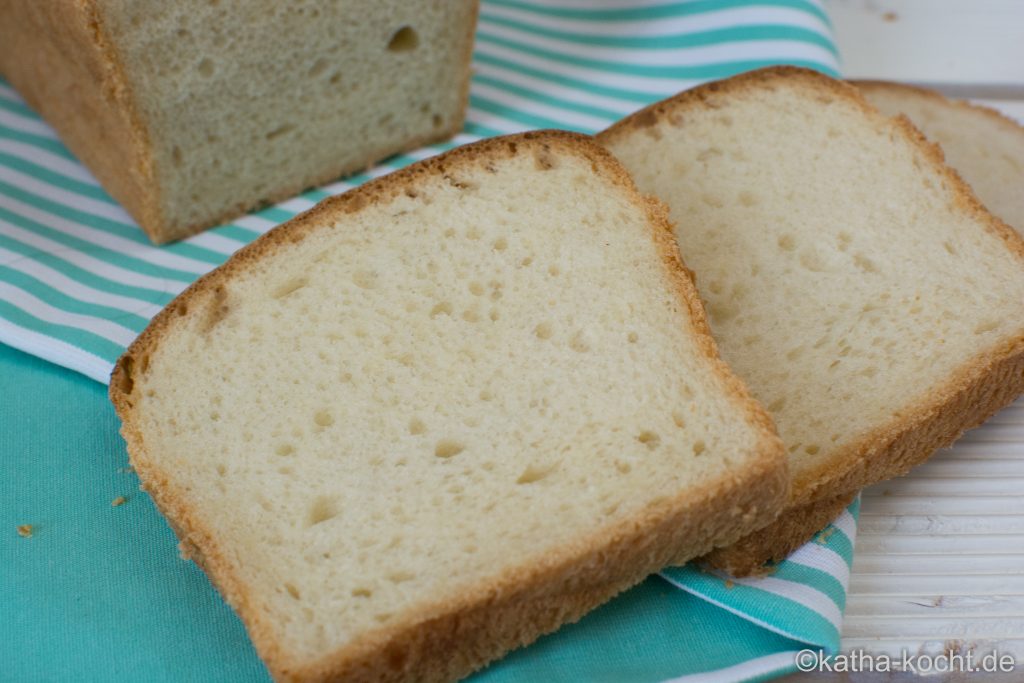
324	508
216	310
124	380
470	316
494	315
362	593
649	439
699	447
279	131
401	577
986	326
554	270
318	67
292	591
284	449
679	420
176	156
534	473
404	39
776	405
486	395
949	247
205	67
288	287
812	449
476	289
322	418
632	337
500	244
787	242
812	261
865	264
221	470
365	279
437	120
543	331
526	262
544	160
578	342
748	198
442	307
447	448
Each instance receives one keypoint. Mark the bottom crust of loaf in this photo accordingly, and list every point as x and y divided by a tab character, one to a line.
756	552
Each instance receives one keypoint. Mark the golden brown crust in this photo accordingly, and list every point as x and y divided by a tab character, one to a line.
58	54
753	553
527	601
985	383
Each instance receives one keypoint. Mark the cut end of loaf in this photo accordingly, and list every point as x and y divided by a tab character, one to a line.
478	398
196	112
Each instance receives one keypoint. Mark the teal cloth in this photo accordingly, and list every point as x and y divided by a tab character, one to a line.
99	593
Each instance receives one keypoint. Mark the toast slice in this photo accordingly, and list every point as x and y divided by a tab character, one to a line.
851	278
444	413
985	147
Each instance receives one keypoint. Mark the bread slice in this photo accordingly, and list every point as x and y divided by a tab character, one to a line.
444	413
985	147
192	112
851	278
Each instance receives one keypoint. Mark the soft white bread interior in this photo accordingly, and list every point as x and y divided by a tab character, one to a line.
851	279
985	147
444	413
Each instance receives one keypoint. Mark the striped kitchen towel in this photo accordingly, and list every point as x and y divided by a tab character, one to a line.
78	280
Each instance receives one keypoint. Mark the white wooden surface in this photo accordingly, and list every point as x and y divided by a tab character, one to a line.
940	553
974	48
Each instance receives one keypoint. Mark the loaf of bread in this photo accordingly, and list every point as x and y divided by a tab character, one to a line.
192	112
444	413
851	278
985	147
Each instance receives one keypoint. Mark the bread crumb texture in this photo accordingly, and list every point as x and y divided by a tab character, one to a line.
478	368
985	147
221	127
846	273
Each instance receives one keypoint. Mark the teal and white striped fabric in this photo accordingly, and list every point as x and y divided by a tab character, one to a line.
78	280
